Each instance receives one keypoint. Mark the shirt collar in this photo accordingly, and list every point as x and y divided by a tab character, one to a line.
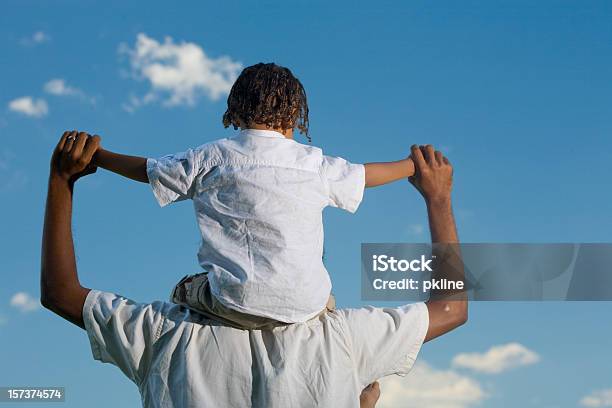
262	132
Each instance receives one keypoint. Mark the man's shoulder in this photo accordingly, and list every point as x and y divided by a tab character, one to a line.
409	314
107	304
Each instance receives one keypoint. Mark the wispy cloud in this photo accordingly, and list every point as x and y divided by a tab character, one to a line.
28	106
177	73
24	302
59	87
39	37
428	387
601	398
497	359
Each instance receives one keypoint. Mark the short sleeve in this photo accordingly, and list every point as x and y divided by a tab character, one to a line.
122	332
172	176
386	341
345	182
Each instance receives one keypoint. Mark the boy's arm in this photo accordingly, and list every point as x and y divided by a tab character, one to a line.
377	174
132	167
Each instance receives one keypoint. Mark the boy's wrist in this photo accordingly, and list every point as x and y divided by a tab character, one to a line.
98	157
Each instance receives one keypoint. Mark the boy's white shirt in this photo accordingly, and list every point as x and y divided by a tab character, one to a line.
258	199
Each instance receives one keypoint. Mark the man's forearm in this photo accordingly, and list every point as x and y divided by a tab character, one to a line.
61	290
383	173
449	305
441	221
132	167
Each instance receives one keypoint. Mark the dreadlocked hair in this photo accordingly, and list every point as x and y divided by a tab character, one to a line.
270	95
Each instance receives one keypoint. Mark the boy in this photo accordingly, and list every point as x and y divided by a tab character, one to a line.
258	199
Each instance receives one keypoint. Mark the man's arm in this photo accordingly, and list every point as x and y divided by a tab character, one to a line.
433	179
60	289
132	167
377	174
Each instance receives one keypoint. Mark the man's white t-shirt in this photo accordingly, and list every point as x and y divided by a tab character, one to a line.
179	359
258	199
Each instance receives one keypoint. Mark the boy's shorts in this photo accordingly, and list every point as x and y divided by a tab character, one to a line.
193	292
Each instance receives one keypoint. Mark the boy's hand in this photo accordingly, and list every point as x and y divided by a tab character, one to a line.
72	156
433	173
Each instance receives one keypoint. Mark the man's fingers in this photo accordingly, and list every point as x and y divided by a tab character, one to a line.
429	153
79	144
439	157
93	142
62	141
70	139
417	157
448	163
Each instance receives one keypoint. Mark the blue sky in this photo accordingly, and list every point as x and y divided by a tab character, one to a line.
517	93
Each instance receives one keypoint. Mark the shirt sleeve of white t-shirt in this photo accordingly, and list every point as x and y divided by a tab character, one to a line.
385	341
345	182
122	332
172	176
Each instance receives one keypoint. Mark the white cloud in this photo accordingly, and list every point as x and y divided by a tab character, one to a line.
497	359
39	37
427	387
59	87
602	398
24	302
132	104
26	105
177	72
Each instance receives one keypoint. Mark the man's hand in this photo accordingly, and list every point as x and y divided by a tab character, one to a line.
433	174
72	156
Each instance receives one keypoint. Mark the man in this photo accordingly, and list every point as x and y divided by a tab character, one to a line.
180	359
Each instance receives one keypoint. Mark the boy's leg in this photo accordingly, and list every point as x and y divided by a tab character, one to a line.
193	292
331	303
